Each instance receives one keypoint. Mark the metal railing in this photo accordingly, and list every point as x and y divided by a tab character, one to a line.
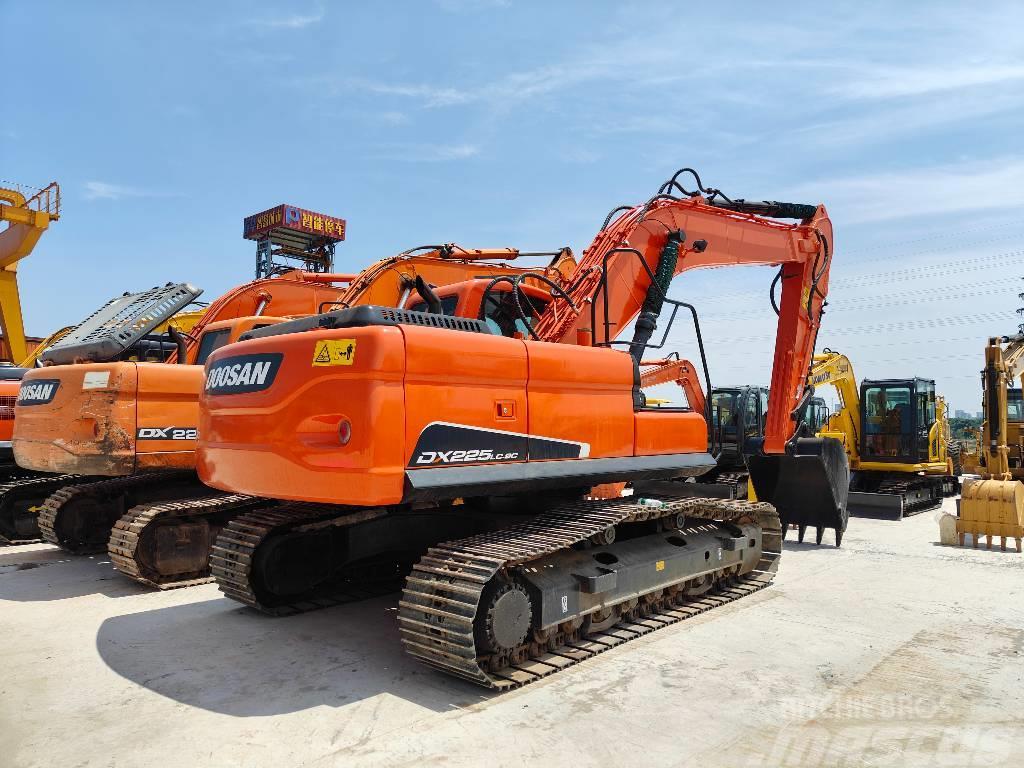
45	200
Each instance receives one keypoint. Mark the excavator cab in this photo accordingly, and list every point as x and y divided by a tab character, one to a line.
508	307
818	414
898	416
1015	431
737	416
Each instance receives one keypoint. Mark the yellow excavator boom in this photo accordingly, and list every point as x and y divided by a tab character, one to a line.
27	218
994	506
835	369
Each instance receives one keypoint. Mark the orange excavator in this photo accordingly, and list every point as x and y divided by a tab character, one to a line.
464	453
122	434
79	421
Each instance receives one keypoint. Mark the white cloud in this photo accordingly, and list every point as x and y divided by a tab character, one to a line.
293	21
102	190
394	118
898	82
428	153
638	66
431	96
457	6
931	191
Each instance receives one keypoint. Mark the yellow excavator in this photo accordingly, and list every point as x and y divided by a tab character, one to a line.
994	505
896	436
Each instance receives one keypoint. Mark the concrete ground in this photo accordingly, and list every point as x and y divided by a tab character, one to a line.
891	651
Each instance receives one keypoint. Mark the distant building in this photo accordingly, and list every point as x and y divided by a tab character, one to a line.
980	415
5	351
961	414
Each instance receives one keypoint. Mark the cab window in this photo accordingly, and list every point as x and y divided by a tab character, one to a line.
723	409
502	315
1014	405
448	305
751	423
888	417
210	341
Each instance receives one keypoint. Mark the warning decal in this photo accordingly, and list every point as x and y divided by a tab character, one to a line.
334	352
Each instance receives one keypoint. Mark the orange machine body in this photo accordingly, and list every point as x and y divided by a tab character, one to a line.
117	418
408	419
418	414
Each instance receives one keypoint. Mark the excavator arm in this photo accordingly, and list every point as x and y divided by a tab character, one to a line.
1002	366
835	369
623	278
678	371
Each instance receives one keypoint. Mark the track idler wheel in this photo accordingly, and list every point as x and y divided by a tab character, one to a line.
503	622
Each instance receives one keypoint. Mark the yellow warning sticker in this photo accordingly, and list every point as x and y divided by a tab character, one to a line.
334	352
660	565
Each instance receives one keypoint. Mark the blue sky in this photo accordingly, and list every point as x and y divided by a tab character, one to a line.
521	124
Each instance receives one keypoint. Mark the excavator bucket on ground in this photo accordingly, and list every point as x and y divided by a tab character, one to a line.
808	485
992	508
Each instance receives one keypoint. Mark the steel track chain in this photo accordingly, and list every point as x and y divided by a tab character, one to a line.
443	593
132	528
233	555
900	487
56	503
35	487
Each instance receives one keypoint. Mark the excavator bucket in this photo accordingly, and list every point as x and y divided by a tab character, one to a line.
992	508
807	486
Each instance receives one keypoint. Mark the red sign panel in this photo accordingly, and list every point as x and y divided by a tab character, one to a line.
295	219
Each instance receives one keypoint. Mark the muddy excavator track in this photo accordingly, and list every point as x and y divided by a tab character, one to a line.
17	524
79	518
167	545
449	607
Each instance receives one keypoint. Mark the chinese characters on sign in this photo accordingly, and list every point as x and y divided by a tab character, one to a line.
296	219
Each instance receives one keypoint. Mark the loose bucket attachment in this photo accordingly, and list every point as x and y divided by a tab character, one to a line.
992	508
878	505
807	486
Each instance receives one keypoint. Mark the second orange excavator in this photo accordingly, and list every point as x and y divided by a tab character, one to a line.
127	442
465	450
